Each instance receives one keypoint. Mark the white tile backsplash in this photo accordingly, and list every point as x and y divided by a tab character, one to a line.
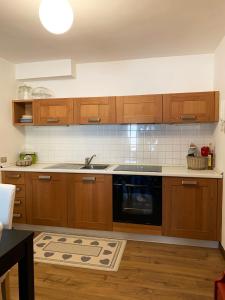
149	144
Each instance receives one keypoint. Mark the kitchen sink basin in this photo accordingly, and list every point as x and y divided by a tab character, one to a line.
65	166
95	167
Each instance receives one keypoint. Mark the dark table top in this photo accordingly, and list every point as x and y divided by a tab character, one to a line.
11	238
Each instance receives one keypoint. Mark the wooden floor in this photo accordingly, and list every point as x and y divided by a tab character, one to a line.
148	271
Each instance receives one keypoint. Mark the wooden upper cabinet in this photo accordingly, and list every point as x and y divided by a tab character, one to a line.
98	110
139	109
53	112
90	201
191	107
190	208
47	199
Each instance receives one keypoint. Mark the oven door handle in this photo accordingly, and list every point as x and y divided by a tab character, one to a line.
130	185
135	185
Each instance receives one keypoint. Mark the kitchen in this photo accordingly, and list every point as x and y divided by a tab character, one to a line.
146	139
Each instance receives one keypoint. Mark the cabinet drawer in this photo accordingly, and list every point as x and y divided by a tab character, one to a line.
19	203
90	178
13	177
20	190
19	214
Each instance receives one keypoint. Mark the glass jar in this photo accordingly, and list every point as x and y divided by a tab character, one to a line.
24	92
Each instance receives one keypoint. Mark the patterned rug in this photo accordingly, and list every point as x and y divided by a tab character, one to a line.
79	251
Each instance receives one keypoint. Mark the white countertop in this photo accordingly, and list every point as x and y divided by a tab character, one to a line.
166	171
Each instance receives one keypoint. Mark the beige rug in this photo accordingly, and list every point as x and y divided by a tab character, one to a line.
79	251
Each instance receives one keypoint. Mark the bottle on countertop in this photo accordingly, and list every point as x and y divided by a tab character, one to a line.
210	157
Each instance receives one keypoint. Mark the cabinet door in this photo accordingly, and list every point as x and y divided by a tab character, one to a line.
139	109
53	112
47	199
99	110
190	208
190	107
90	202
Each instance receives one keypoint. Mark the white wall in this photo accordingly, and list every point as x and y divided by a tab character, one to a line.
11	138
219	135
143	76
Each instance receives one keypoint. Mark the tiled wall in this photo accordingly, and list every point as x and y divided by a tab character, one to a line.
149	144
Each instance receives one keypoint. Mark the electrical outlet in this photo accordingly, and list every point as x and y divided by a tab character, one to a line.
3	159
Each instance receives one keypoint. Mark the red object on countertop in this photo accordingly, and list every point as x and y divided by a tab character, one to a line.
205	151
220	288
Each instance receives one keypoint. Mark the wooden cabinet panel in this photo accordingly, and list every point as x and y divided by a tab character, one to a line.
47	199
19	212
90	201
18	179
53	112
139	109
190	208
98	110
13	177
190	107
20	190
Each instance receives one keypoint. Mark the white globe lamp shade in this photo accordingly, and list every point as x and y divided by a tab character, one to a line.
56	15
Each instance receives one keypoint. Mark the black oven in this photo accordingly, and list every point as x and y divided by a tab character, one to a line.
137	199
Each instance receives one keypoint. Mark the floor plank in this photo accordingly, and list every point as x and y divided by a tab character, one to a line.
148	271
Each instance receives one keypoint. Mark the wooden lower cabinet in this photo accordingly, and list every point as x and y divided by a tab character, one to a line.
47	199
90	201
18	179
191	208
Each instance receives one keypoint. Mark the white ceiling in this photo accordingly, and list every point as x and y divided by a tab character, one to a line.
113	30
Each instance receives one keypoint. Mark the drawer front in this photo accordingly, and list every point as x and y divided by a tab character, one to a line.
13	177
19	214
19	203
20	190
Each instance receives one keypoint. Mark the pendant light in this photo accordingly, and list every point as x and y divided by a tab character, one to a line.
56	15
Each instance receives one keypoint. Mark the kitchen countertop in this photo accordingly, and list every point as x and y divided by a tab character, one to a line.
166	171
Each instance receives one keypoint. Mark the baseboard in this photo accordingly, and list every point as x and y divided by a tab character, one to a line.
222	250
121	235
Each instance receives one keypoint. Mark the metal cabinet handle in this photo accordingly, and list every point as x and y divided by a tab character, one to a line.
17	215
89	179
188	117
18	189
17	202
52	120
94	120
189	182
44	177
14	176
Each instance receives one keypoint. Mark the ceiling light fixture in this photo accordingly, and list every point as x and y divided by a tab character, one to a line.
56	15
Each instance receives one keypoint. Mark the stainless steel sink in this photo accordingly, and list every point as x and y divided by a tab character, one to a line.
65	166
94	167
68	166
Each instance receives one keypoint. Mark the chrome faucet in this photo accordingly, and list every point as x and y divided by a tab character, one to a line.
88	160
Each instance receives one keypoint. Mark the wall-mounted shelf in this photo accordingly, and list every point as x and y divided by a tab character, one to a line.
21	108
